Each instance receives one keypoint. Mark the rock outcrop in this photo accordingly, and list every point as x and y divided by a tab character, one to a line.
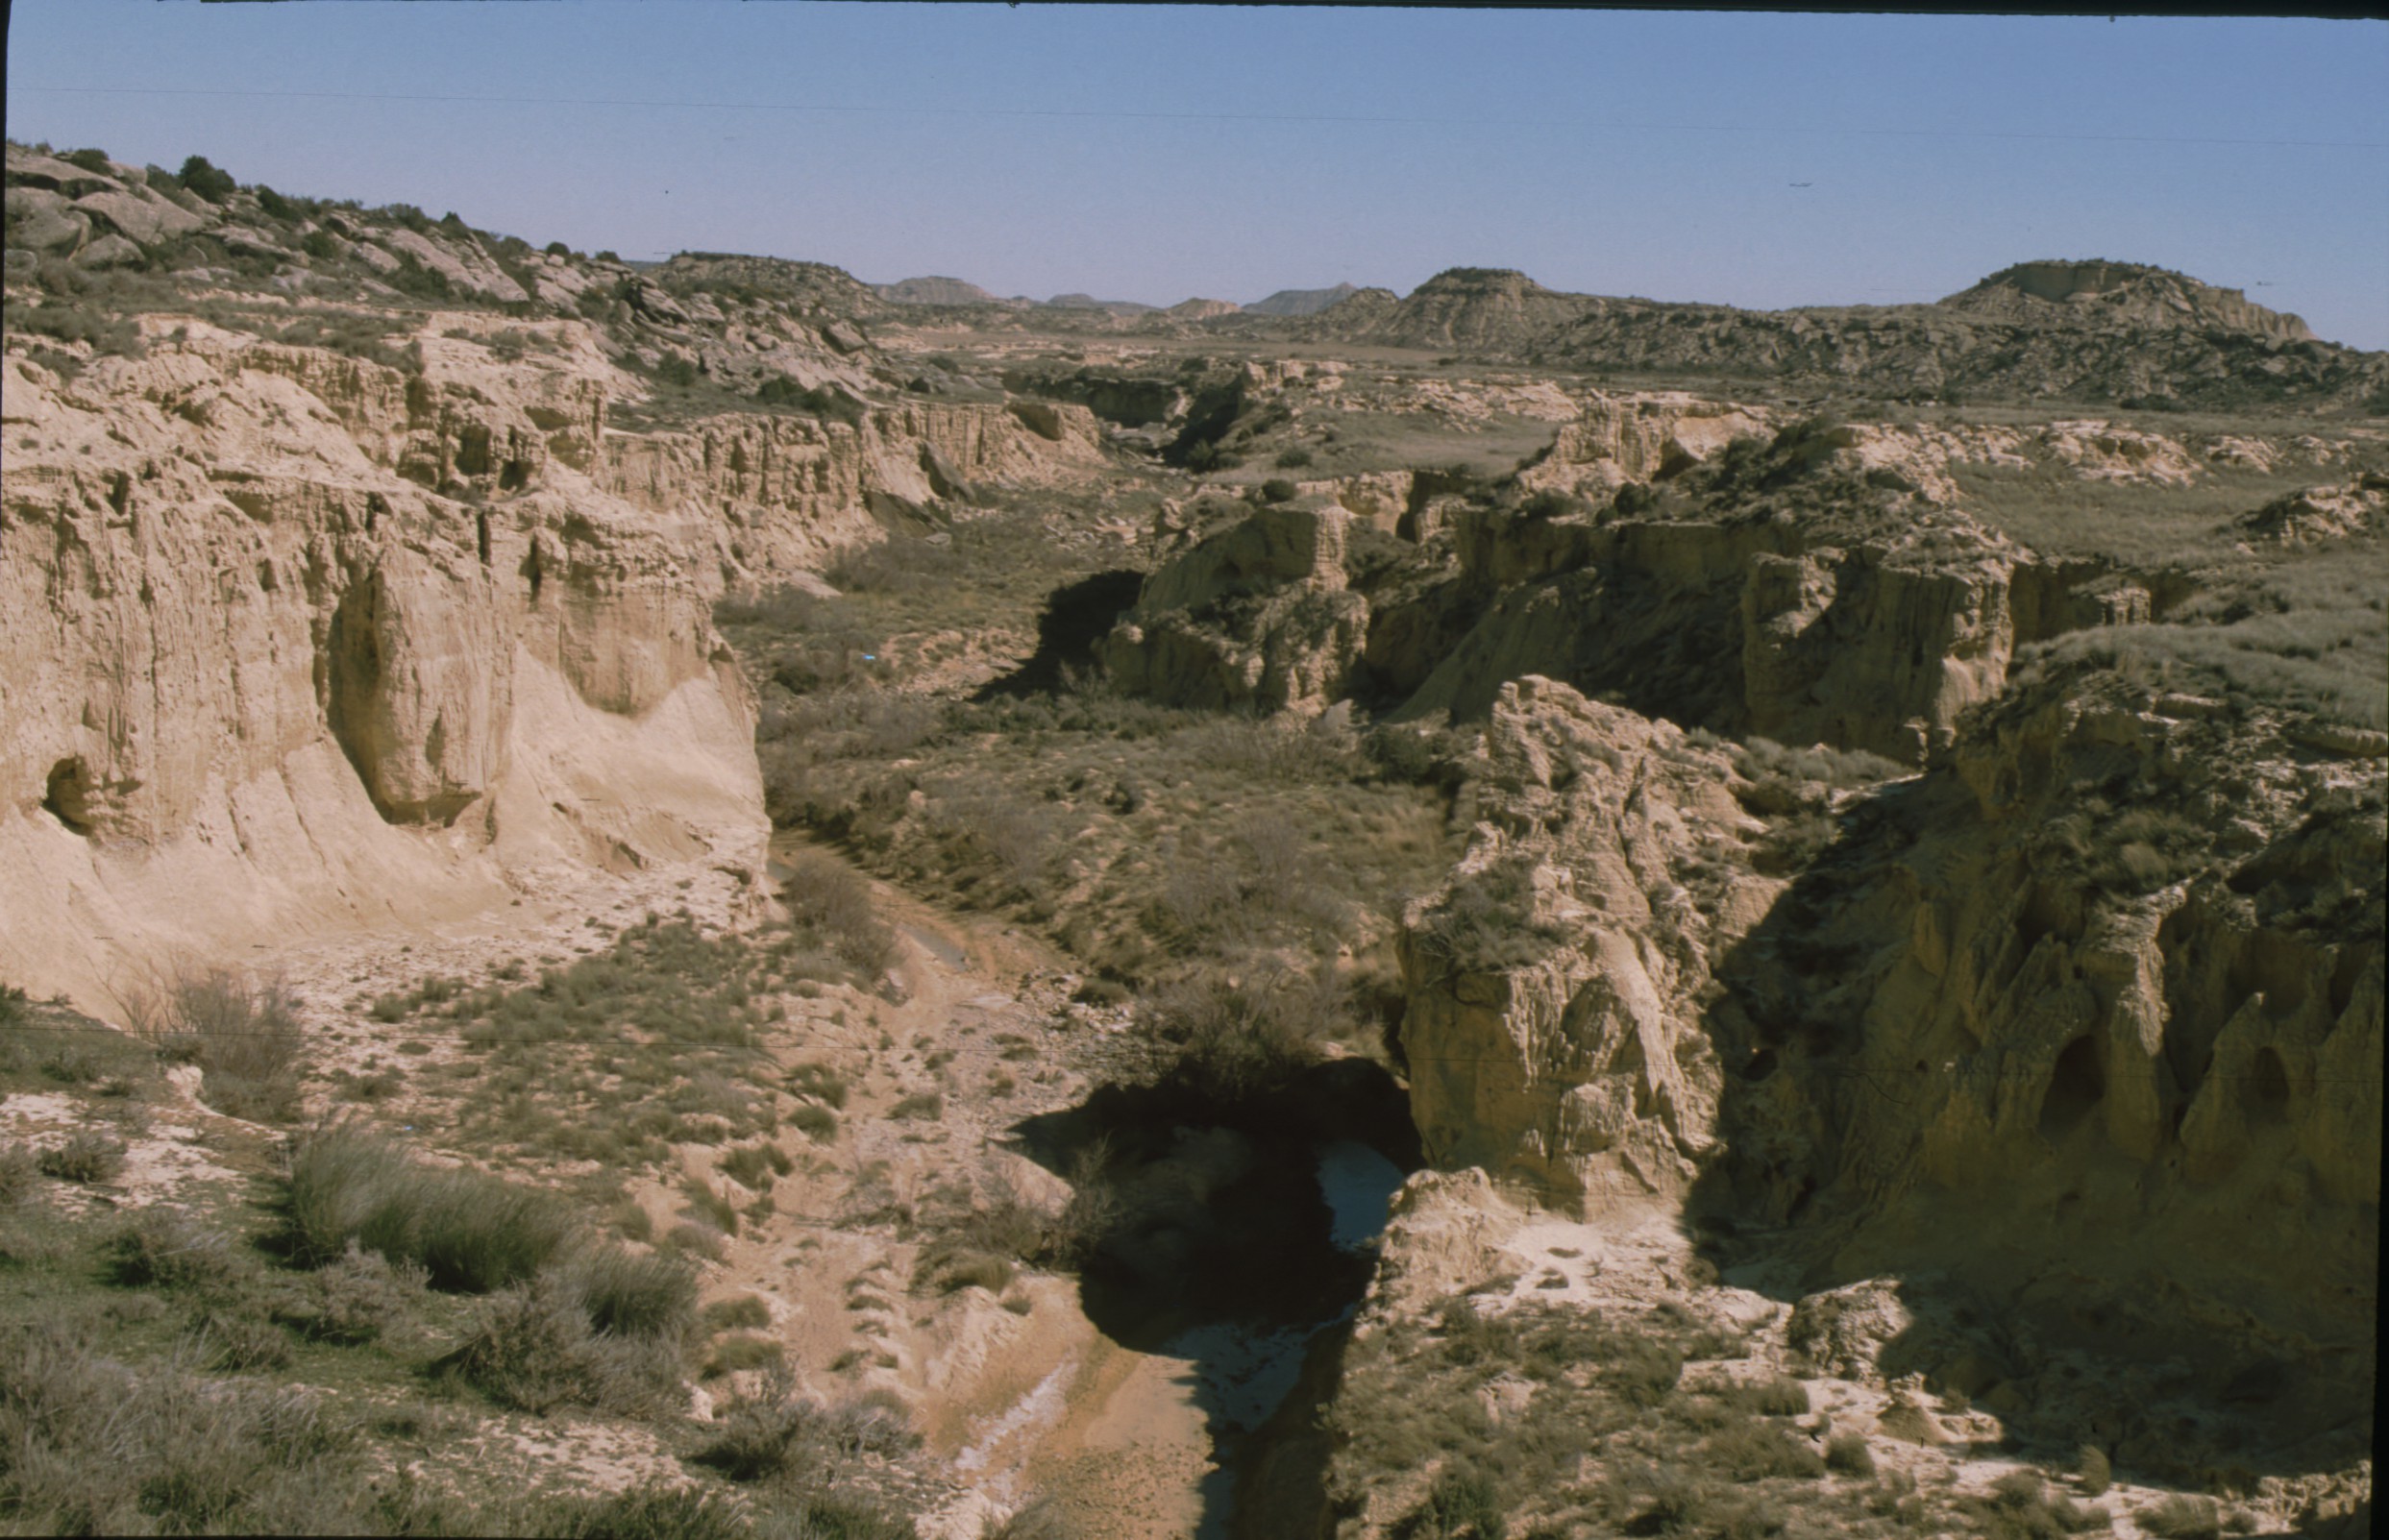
260	679
2111	1063
1552	1028
1259	613
333	642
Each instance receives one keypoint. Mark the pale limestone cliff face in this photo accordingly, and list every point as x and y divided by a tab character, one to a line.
292	641
1258	613
1638	438
1552	1028
2126	1055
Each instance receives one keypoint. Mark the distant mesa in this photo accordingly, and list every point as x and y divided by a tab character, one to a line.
1088	302
1201	309
1300	302
2134	293
935	291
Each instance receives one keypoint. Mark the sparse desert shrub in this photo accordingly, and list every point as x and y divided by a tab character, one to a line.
815	1122
1240	1038
2092	1469
1487	921
707	1203
625	1293
2181	1517
1848	1454
949	1270
96	1449
18	1169
534	1348
164	1246
1461	1501
1277	489
740	1311
364	1294
692	1239
825	896
1292	459
741	1351
820	1082
237	1342
1042	1519
1643	1371
928	1104
653	1510
1753	1450
755	1166
1776	1397
900	564
760	1439
89	1156
243	1035
1001	836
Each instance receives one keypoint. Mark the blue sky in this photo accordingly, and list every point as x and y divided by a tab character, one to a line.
1167	152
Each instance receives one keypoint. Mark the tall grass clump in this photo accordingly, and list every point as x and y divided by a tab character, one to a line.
471	1232
243	1035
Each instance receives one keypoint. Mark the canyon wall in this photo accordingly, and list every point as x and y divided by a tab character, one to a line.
292	640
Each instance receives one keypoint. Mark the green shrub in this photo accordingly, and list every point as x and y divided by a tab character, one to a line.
1293	460
928	1104
815	1122
1277	489
89	1155
2093	1471
202	179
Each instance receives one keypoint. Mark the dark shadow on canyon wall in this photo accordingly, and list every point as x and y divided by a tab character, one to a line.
1076	617
2078	1293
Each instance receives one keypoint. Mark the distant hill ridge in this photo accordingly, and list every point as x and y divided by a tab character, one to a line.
1300	302
2094	329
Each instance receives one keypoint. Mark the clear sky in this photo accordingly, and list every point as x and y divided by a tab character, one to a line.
1160	153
